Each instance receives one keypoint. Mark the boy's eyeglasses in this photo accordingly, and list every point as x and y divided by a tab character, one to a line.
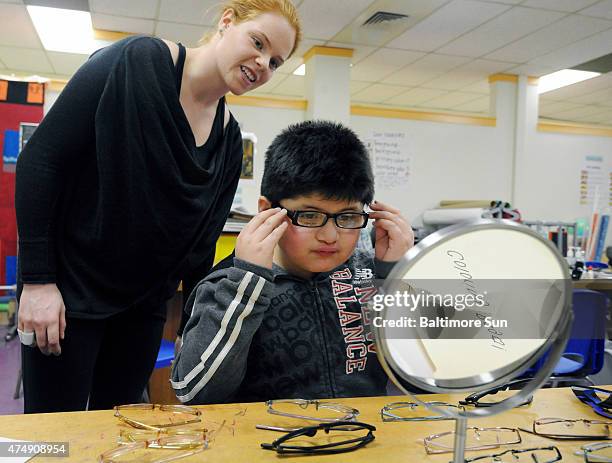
356	435
314	219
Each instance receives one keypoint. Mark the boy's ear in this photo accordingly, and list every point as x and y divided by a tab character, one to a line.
263	204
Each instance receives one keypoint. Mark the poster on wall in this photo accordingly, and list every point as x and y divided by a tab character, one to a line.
595	182
26	129
390	156
248	154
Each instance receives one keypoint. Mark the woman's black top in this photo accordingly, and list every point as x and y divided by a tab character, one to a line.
115	203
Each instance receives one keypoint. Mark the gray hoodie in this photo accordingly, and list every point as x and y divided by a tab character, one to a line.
256	334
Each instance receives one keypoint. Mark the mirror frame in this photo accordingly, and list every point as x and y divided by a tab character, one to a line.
556	342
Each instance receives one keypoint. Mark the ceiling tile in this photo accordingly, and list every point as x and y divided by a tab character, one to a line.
482	86
356	86
603	9
468	74
133	8
508	2
359	51
450	100
296	59
479	105
569	6
579	52
531	69
323	20
122	23
187	34
377	93
291	86
198	12
500	31
290	65
602	117
578	112
428	67
447	23
381	63
380	34
19	31
273	82
552	37
599	97
66	63
25	59
549	108
417	96
580	89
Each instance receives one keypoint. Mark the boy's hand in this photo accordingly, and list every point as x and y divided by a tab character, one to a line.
257	240
393	233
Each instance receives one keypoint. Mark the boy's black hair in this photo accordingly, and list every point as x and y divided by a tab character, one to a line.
318	157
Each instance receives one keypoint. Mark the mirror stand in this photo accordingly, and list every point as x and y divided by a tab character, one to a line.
460	433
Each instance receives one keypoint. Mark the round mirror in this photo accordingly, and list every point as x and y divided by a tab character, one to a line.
473	306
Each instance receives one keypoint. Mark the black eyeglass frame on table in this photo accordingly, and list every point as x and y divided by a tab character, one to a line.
474	399
311	431
295	217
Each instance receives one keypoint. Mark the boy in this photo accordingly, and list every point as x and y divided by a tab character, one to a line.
283	318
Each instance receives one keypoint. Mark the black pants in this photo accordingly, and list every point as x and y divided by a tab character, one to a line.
107	361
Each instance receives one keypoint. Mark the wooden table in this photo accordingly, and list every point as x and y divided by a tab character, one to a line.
235	438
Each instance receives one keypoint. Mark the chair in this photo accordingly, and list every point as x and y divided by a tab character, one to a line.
165	357
584	353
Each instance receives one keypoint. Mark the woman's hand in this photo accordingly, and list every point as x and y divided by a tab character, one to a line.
42	310
257	240
394	234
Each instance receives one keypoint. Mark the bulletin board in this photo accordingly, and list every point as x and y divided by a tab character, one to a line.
20	103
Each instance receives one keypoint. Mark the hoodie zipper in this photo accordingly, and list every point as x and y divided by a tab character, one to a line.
320	319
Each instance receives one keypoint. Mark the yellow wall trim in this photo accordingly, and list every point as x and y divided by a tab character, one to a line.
56	85
512	78
328	51
503	78
358	110
110	36
266	102
533	80
574	129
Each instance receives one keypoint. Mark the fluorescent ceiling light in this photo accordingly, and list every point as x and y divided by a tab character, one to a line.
69	31
301	70
563	78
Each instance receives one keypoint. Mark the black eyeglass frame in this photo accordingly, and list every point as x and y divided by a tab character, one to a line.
294	216
311	431
474	399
